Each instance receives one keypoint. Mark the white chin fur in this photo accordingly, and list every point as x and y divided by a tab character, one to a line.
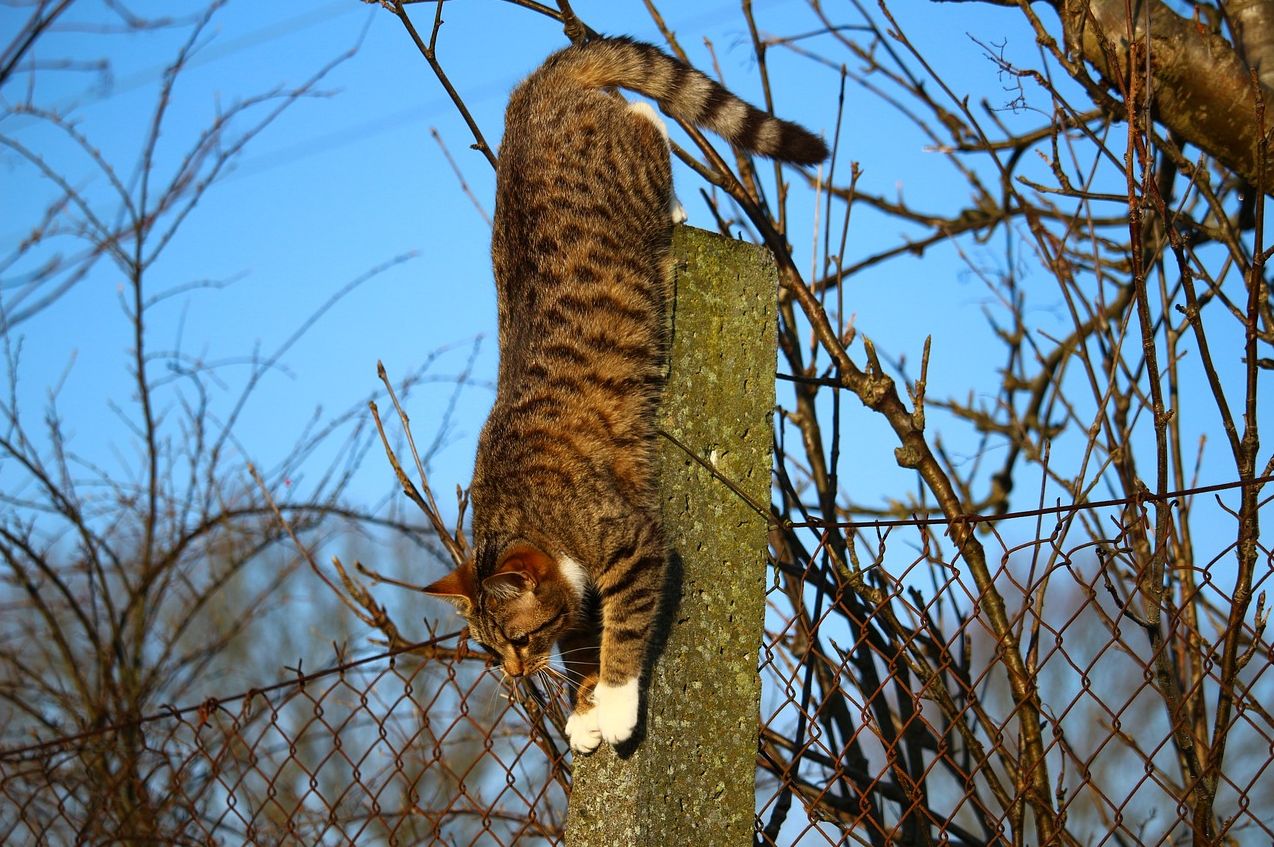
616	710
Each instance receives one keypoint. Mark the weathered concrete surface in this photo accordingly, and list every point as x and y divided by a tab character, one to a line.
691	780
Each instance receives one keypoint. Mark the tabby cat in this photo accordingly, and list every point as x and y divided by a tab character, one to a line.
566	526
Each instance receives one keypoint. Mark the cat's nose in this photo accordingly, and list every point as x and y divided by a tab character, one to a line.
514	667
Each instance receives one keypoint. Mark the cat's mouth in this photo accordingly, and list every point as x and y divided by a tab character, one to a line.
539	669
519	669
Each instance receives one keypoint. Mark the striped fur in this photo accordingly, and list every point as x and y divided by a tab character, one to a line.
566	520
685	94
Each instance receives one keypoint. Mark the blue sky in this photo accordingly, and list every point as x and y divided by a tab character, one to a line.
348	181
351	180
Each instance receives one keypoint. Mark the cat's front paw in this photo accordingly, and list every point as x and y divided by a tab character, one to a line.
616	710
582	731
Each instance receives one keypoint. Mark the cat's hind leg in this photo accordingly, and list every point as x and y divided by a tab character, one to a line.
645	110
679	215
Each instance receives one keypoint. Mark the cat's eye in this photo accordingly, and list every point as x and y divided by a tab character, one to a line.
520	641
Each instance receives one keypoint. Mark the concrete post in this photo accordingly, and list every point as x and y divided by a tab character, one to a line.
691	781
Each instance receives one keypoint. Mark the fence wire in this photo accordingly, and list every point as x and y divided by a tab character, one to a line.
890	714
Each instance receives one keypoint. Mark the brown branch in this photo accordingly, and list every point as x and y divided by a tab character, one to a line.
454	542
464	186
429	51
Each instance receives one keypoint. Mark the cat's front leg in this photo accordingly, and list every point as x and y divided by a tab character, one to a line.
582	730
607	713
580	650
616	708
630	589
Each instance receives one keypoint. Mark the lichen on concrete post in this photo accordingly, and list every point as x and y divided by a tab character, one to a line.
691	780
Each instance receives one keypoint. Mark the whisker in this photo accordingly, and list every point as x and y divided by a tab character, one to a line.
565	680
519	694
551	685
562	652
568	673
549	694
554	674
561	670
497	690
559	686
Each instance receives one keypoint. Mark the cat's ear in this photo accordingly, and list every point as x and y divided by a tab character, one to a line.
522	568
507	585
457	587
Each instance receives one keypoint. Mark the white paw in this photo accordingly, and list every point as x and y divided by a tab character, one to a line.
679	215
582	731
616	710
648	112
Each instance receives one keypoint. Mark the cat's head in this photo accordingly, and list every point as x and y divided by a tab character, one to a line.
518	611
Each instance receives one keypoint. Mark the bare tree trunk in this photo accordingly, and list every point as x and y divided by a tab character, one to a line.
1199	86
692	779
1253	24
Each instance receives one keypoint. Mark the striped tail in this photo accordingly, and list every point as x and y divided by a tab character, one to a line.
685	94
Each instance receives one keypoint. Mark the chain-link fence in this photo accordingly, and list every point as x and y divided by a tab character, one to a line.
891	713
420	747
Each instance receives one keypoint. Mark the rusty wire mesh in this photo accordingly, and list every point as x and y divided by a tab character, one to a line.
887	716
404	749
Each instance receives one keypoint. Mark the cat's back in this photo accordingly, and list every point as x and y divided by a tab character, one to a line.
580	174
580	247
